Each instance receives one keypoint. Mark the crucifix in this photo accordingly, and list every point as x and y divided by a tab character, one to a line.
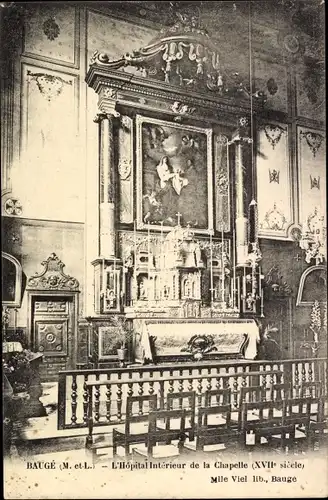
179	217
297	257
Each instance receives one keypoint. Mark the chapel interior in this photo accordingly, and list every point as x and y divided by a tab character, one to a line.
163	222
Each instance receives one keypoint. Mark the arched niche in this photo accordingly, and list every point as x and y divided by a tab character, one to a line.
313	286
11	280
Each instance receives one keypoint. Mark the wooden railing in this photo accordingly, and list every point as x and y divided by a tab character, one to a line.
101	394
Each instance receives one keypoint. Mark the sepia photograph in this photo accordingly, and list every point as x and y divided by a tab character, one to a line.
164	264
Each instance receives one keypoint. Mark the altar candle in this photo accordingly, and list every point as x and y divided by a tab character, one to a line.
234	266
262	305
148	237
103	277
260	289
222	265
135	260
211	268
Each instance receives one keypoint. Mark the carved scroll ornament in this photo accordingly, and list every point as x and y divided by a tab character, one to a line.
52	277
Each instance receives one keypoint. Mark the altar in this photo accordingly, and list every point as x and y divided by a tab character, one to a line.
163	340
178	250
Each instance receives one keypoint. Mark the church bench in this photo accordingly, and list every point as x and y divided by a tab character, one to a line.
159	440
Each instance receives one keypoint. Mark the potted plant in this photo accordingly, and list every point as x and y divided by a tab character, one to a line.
123	338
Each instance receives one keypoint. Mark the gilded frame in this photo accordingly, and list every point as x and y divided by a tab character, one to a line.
207	132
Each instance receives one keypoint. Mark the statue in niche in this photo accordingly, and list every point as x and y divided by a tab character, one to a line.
143	290
187	288
166	292
249	302
110	298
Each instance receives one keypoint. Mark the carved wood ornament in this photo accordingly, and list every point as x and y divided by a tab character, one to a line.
52	277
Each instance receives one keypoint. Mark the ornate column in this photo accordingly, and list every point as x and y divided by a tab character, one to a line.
107	266
106	184
243	156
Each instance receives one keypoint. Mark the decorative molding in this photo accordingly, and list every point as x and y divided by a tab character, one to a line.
182	109
13	207
51	28
274	219
295	233
273	133
313	140
273	280
291	43
50	86
52	277
124	168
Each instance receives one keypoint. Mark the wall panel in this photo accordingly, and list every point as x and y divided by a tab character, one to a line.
52	34
312	174
49	179
274	186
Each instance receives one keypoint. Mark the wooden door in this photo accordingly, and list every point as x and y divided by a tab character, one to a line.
278	319
53	320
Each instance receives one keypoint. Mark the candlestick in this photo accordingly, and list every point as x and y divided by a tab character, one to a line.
222	266
262	305
211	268
234	265
244	288
103	277
148	236
260	288
238	291
135	295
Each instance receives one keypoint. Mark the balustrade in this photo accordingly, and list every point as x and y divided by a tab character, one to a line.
101	394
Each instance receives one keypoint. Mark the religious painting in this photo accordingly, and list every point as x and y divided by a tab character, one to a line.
174	181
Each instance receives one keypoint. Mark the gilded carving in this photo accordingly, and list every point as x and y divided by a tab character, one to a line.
52	277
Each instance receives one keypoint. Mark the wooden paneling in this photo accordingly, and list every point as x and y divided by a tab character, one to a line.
52	34
312	173
114	36
271	78
52	163
274	183
310	92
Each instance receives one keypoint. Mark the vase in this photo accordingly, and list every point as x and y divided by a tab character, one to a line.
122	355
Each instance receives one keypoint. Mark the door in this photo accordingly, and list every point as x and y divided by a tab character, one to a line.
53	333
